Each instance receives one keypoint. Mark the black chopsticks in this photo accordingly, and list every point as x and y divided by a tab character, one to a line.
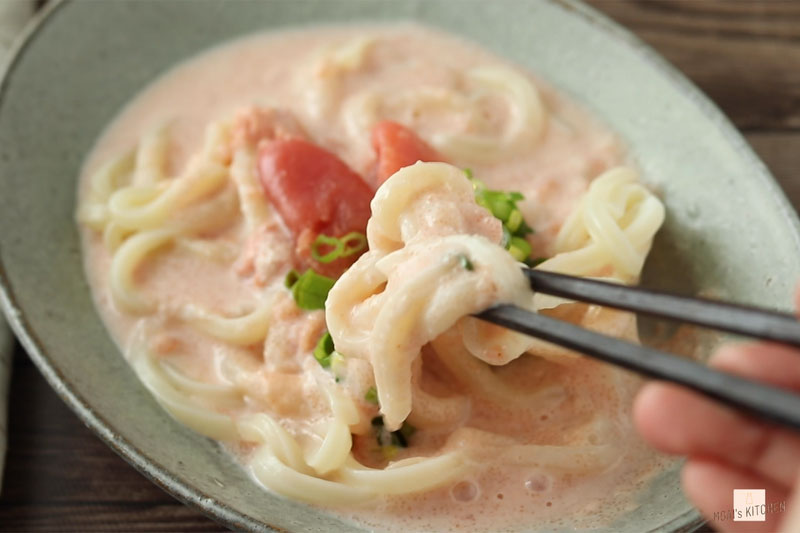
774	404
733	318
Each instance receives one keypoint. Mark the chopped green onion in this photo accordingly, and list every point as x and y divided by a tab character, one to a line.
309	290
350	244
535	262
503	205
481	200
519	248
324	350
291	278
516	253
499	203
326	355
371	395
514	220
321	241
354	242
524	229
465	262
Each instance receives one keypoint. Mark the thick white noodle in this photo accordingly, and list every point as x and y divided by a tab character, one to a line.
124	263
328	67
525	123
613	226
114	235
337	442
285	480
610	233
215	214
263	428
173	395
151	157
243	330
93	209
410	289
522	129
427	288
148	206
415	475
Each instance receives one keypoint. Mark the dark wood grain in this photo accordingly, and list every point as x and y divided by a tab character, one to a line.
60	477
744	54
104	517
38	465
780	151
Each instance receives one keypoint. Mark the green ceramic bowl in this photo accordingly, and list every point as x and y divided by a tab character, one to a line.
729	230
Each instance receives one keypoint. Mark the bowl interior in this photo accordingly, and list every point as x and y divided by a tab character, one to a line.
729	231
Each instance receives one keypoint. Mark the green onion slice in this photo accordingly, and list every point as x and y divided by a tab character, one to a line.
321	241
514	220
352	243
503	205
519	248
291	278
324	350
309	290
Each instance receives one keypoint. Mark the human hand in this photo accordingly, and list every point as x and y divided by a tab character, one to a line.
726	449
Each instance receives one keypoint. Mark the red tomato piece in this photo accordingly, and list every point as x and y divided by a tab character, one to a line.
398	147
315	193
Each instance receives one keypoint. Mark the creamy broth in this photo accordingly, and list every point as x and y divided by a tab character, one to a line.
327	80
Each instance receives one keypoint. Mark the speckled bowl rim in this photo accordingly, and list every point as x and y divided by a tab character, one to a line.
224	514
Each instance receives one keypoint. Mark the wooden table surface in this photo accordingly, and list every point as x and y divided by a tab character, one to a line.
744	54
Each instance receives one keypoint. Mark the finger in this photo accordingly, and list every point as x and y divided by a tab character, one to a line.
710	485
792	520
771	363
679	421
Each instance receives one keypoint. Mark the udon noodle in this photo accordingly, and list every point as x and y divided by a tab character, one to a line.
414	404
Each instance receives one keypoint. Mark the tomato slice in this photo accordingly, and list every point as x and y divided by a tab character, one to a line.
398	147
315	193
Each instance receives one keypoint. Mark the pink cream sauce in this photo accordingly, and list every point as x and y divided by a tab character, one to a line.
274	70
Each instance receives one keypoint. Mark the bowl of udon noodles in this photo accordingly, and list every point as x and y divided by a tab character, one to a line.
244	241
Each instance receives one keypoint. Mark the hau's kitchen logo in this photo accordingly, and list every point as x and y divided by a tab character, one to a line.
749	505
